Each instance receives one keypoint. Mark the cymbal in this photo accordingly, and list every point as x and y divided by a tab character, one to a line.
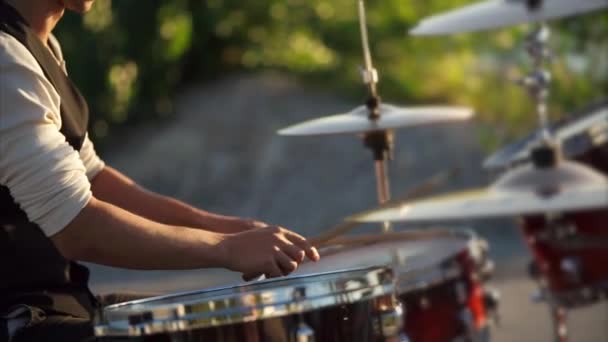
501	13
522	191
391	117
576	136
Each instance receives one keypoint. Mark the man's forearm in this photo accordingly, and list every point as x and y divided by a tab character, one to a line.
113	187
106	234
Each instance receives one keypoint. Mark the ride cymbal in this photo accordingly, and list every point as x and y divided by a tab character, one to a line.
391	117
522	191
501	13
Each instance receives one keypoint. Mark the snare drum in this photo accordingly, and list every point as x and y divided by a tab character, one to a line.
439	282
571	250
351	305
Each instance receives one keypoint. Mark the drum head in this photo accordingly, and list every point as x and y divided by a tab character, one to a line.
244	302
420	260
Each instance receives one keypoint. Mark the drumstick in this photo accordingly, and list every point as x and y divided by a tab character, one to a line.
373	238
345	227
420	190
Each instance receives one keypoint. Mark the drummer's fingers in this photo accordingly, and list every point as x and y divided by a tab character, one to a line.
285	262
301	242
294	252
251	276
272	269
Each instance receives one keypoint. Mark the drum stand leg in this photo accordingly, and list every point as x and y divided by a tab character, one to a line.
559	317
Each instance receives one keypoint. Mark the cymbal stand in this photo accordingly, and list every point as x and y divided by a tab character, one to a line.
380	142
538	80
537	83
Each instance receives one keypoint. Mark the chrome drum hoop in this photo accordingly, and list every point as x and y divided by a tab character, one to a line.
244	303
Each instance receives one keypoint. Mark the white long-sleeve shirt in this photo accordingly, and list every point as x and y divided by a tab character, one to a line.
47	178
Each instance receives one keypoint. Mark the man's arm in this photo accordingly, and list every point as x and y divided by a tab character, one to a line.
111	186
105	234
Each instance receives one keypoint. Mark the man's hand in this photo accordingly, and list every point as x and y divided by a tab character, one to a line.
272	251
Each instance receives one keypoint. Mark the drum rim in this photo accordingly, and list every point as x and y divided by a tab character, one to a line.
347	286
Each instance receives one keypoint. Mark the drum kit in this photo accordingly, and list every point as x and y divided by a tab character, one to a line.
423	285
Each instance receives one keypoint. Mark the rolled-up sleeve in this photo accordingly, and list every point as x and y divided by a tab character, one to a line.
44	174
92	163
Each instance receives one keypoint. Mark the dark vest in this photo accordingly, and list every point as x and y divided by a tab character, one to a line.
32	271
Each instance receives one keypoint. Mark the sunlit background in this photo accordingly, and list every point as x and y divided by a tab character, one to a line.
131	58
186	97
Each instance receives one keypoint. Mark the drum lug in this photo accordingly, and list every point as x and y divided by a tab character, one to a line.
304	333
390	323
558	228
466	318
571	267
487	270
491	300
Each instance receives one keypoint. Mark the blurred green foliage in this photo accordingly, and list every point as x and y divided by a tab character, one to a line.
129	57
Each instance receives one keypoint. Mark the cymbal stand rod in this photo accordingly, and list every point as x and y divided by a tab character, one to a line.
538	80
382	182
369	73
559	317
380	142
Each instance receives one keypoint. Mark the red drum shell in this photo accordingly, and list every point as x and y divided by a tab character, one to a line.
589	254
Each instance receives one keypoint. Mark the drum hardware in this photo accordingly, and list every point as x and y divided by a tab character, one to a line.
390	322
557	228
461	292
491	300
571	268
483	265
381	143
303	332
534	270
468	325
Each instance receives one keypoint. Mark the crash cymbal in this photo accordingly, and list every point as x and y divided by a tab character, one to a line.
522	191
501	13
576	136
391	117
